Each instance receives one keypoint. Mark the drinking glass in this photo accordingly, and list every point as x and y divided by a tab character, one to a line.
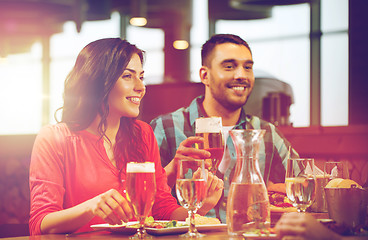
140	192
335	170
191	190
300	182
210	128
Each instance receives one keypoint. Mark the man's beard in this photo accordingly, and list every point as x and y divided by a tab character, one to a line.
223	101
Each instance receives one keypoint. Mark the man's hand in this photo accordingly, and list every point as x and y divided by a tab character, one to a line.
215	188
186	150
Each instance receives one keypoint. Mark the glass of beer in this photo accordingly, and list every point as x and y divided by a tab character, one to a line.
141	191
300	182
336	170
191	190
210	129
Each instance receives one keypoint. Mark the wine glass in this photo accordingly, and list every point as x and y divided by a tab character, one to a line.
141	191
191	190
300	182
210	128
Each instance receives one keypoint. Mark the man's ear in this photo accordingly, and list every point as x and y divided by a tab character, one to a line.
204	74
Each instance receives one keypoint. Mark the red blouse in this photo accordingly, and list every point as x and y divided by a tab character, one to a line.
68	168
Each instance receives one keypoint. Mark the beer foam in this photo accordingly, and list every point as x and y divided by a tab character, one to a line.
209	125
146	167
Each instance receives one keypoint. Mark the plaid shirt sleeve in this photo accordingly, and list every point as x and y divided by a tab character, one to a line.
170	130
159	131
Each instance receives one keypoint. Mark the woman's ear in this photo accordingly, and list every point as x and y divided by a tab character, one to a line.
203	74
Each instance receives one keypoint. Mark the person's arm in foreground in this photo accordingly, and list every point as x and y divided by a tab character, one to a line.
304	226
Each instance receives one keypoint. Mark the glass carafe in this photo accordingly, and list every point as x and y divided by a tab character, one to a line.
248	206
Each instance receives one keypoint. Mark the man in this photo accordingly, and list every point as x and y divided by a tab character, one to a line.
227	73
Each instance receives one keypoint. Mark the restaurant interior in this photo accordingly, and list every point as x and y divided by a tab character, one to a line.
26	25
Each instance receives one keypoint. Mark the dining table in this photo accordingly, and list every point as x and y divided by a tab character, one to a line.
215	235
218	234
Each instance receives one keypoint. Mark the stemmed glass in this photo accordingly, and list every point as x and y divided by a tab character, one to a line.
300	182
191	190
141	191
210	128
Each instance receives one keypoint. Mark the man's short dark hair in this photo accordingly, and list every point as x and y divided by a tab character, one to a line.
219	39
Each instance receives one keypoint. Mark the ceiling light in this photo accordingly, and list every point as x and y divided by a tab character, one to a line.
181	44
138	21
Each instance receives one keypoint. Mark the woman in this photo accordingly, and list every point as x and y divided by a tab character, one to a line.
77	170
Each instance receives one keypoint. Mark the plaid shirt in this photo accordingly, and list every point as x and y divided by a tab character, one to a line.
171	129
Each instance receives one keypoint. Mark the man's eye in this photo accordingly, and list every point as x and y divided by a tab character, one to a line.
230	66
248	67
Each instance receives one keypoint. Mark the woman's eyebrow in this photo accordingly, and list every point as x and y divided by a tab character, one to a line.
133	71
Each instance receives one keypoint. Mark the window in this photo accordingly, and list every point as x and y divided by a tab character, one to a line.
21	92
334	62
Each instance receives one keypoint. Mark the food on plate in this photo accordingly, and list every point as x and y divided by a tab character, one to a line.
278	199
164	224
342	183
150	222
201	220
262	232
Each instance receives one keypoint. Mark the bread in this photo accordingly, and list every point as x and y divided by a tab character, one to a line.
277	187
342	183
201	220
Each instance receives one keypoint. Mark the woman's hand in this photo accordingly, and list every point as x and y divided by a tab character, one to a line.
111	206
215	188
296	225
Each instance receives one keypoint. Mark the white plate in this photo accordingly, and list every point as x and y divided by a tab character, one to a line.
184	229
157	231
116	228
260	237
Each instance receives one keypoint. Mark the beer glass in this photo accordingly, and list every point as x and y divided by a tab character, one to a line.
191	190
300	182
210	129
141	191
336	170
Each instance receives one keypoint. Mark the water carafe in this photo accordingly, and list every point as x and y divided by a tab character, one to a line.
248	206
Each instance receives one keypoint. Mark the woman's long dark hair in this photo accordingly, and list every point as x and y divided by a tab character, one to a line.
87	88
